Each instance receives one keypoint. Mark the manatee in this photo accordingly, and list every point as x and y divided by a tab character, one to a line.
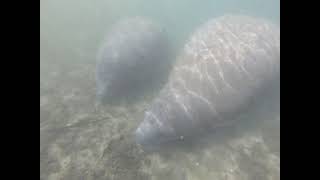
225	68
133	56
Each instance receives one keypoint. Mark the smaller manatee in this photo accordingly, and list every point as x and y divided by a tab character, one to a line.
134	56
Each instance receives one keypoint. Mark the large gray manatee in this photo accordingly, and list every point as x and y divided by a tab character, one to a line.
134	56
226	66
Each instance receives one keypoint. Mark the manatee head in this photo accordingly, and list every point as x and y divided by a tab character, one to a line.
152	132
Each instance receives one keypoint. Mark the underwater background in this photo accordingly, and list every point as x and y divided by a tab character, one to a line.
80	140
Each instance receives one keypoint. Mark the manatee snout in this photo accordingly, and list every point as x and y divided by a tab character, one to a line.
147	133
150	135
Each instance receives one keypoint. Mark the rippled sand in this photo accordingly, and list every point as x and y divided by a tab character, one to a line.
79	140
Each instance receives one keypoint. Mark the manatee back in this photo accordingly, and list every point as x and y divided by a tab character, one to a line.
228	61
228	66
134	56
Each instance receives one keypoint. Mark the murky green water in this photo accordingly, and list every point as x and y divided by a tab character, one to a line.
79	140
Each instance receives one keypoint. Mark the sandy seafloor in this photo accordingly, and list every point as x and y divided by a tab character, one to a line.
79	140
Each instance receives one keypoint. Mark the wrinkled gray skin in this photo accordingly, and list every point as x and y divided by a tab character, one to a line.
134	56
224	69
